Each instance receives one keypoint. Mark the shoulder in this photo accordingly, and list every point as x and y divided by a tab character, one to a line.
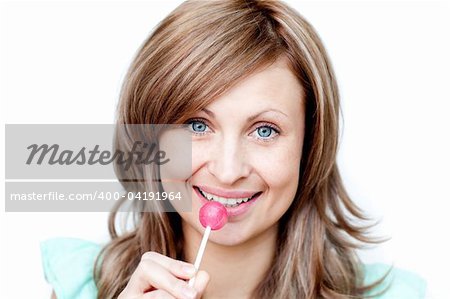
399	283
68	265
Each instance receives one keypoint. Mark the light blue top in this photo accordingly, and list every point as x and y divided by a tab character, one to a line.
68	266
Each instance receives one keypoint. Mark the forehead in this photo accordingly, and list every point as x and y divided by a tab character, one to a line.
275	84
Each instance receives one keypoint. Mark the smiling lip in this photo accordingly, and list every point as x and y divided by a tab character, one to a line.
231	211
227	193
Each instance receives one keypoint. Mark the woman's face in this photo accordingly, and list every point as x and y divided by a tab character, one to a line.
246	150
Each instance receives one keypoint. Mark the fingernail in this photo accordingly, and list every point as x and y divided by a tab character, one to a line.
189	292
188	269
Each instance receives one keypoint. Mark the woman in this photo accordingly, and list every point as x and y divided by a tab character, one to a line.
253	82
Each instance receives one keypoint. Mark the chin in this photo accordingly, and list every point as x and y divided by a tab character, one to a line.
227	238
238	234
232	234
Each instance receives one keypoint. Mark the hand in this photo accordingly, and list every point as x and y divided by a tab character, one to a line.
158	276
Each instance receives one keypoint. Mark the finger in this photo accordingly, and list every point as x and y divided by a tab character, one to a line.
178	268
158	294
151	274
201	281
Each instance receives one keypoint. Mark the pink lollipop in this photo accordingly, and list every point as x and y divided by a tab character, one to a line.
213	216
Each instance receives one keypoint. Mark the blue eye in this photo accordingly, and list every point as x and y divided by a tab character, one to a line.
197	126
265	131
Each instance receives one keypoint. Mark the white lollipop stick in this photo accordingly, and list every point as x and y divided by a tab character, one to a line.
200	252
212	215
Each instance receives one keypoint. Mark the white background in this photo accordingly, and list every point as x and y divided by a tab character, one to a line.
63	62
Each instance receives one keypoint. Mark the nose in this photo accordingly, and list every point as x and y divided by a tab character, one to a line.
228	160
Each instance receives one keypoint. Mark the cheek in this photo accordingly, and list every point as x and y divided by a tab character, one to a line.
176	146
200	152
278	166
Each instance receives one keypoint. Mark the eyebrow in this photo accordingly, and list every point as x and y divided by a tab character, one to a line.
211	114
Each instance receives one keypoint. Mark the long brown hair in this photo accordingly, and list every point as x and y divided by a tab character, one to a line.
196	54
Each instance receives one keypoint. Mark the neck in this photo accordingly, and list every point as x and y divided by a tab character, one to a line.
235	271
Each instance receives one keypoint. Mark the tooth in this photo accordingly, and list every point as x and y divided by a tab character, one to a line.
231	202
